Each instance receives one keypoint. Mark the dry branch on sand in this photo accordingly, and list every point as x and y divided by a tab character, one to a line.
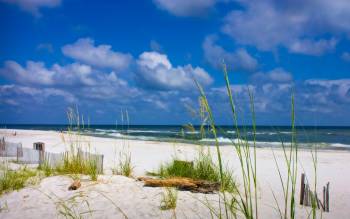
183	183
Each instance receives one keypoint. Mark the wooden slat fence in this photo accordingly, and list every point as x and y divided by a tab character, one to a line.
307	196
32	156
28	156
56	159
9	149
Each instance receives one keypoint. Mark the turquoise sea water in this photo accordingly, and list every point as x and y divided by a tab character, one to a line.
266	136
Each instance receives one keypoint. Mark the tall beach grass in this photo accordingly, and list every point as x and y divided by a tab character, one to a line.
246	202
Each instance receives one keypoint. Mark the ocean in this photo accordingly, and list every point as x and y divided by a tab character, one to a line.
328	137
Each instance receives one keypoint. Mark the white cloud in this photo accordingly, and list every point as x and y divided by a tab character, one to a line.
32	73
298	25
185	8
33	6
312	96
312	47
237	60
82	80
328	83
109	86
102	56
74	74
275	75
339	88
49	92
155	71
36	73
153	60
78	78
14	94
158	103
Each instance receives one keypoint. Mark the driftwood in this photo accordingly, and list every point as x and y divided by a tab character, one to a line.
75	185
182	183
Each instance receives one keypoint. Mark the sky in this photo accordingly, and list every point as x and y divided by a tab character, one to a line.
107	57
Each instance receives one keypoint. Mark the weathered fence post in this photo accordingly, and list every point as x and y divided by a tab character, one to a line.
40	146
327	197
302	188
19	152
2	147
306	201
324	199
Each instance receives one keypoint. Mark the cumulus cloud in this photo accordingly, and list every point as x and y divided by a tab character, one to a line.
155	71
36	73
158	103
237	60
332	88
313	47
275	75
84	50
185	8
298	25
14	93
109	86
91	85
32	73
33	7
75	78
314	97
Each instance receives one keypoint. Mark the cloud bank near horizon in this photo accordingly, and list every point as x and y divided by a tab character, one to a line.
92	79
147	60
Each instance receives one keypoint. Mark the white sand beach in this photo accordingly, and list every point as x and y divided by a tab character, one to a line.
119	197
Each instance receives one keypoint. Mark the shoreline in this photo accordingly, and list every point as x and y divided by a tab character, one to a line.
148	155
210	143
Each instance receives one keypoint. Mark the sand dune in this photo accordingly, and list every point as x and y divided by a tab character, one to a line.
137	201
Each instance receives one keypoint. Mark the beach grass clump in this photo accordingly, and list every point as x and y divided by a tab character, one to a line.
15	179
76	163
72	164
124	166
203	168
168	199
75	160
46	168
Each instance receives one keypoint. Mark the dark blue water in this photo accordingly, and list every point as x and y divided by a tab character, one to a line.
322	136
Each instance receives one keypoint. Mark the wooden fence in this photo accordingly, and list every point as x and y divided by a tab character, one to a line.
307	196
9	149
33	156
56	159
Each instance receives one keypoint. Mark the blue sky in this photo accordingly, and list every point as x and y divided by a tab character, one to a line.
104	56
